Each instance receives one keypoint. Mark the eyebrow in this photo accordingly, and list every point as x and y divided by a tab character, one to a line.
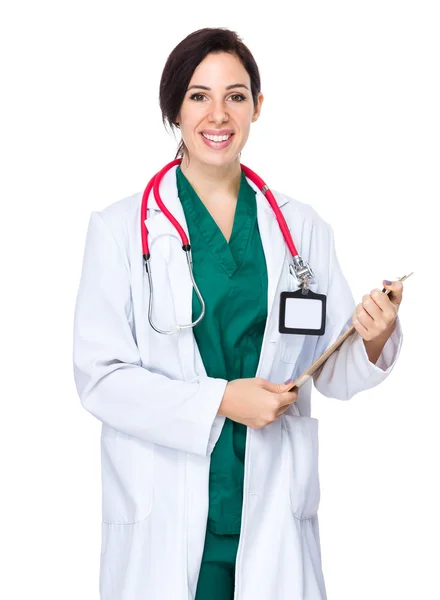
229	87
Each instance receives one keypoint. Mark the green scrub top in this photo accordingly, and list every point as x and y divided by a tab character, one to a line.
232	278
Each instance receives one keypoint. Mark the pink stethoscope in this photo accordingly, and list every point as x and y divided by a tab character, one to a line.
300	269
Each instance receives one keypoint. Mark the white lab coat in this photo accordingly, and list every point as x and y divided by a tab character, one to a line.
159	409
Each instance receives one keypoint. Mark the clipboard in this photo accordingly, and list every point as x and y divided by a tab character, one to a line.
302	379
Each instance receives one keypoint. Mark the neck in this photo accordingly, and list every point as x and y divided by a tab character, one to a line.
211	181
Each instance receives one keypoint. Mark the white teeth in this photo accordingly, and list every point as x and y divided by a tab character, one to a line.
217	138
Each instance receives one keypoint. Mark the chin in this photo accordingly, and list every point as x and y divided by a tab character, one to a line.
220	160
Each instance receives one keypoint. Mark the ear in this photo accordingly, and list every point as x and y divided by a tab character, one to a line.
257	108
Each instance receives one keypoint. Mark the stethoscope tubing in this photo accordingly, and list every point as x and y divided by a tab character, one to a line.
154	184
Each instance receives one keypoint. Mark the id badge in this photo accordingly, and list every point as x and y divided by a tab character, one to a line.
302	313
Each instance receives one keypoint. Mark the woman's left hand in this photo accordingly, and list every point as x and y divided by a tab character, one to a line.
376	315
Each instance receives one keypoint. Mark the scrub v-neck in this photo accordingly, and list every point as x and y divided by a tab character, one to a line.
232	279
228	254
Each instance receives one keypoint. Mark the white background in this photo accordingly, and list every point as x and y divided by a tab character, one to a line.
350	124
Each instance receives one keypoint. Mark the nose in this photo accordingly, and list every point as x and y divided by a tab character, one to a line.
218	112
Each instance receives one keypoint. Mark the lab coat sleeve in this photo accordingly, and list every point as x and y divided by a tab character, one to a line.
348	370
111	383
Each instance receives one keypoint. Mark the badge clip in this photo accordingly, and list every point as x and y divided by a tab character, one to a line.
302	273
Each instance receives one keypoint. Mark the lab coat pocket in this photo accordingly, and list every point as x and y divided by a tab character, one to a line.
127	477
301	441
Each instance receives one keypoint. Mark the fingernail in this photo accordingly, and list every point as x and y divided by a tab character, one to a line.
387	282
288	381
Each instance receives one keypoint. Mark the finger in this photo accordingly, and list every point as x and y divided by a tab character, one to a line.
388	309
374	303
396	293
381	309
270	386
278	388
360	328
287	397
282	410
364	316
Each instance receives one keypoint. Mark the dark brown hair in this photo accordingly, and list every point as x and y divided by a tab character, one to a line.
185	58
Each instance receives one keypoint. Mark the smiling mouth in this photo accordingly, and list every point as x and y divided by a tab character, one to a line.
217	138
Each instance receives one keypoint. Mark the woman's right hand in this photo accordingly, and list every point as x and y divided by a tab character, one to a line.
256	402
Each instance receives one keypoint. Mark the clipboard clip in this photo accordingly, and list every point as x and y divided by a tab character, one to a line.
302	272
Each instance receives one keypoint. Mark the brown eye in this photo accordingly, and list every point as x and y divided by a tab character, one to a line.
239	96
196	96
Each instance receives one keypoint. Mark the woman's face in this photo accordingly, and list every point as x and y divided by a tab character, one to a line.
218	102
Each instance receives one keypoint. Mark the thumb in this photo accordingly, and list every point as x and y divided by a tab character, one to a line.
396	291
278	388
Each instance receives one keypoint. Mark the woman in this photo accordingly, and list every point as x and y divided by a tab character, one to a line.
209	464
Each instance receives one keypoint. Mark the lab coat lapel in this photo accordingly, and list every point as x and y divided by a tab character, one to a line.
180	281
278	258
273	245
157	224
